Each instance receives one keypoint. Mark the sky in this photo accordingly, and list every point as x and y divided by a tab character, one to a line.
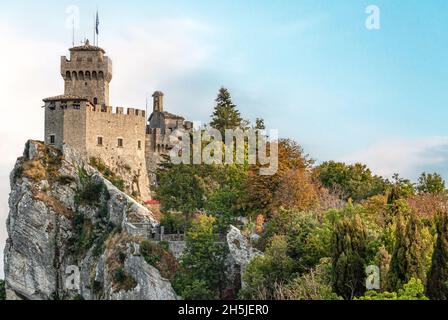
310	68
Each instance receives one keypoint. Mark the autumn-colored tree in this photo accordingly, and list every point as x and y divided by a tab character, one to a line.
437	284
296	191
261	189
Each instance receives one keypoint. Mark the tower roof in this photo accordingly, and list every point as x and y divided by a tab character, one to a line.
87	47
158	94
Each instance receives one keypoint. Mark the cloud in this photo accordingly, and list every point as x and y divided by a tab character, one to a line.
408	157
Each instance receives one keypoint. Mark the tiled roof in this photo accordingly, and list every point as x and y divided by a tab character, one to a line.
172	116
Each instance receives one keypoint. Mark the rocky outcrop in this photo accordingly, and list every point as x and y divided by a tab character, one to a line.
68	236
241	253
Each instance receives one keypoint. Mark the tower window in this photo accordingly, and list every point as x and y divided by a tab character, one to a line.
95	101
120	143
100	141
52	139
139	144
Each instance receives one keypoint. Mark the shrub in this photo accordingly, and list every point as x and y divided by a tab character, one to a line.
158	256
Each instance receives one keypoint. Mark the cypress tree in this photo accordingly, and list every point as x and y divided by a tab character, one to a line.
408	259
225	115
349	247
437	285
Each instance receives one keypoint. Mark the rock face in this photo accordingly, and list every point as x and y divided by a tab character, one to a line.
241	251
68	236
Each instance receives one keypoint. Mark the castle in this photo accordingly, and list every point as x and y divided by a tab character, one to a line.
83	119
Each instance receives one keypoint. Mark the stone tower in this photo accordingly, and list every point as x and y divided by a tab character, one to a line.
158	101
87	74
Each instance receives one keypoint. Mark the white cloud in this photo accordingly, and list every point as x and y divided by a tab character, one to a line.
407	157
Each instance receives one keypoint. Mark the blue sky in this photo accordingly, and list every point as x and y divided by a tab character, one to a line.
310	68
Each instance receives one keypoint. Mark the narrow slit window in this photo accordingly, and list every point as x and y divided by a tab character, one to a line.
100	141
52	139
120	143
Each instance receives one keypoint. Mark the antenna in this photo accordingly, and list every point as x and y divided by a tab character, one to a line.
73	30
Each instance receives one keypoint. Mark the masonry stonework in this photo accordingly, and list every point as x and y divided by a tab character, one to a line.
123	139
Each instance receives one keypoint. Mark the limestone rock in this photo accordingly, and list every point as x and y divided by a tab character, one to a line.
56	223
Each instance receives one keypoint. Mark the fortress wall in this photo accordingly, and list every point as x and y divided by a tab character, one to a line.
111	126
67	123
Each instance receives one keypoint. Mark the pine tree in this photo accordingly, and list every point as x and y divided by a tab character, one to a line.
437	285
408	259
349	247
225	115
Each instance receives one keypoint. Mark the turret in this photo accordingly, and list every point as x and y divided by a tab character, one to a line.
87	74
158	101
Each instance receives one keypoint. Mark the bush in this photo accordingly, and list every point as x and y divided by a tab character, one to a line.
173	223
157	255
2	290
197	290
123	281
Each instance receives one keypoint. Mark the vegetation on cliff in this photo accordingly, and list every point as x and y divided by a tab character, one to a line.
322	225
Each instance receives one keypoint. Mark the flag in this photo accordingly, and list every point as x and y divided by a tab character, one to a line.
97	23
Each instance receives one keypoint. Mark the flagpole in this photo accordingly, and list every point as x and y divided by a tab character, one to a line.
94	30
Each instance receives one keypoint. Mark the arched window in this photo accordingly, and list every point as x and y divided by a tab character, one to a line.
94	75
95	101
87	75
68	76
75	75
101	75
81	75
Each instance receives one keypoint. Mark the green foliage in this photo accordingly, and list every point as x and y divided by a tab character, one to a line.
225	115
413	290
353	181
437	284
2	290
197	290
90	191
400	189
349	257
123	281
430	183
264	274
308	240
408	259
204	259
314	285
173	222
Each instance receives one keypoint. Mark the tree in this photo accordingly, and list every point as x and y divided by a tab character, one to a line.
264	274
296	191
2	290
413	290
437	284
261	189
430	183
225	115
354	181
349	257
314	285
203	260
408	258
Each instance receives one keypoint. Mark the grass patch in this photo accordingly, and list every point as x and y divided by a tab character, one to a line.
107	173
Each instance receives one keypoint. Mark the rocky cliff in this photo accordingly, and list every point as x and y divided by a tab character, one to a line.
69	233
